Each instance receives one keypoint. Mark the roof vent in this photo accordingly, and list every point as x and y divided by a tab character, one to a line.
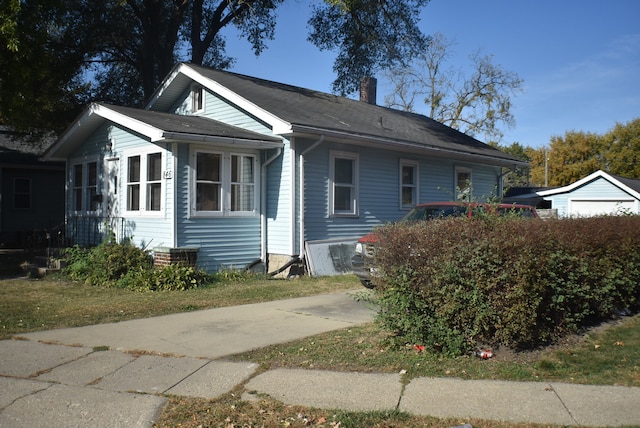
368	87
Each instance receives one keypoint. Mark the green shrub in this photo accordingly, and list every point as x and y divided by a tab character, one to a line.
106	263
454	284
168	278
127	266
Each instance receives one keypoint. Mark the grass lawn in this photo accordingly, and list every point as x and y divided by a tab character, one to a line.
609	354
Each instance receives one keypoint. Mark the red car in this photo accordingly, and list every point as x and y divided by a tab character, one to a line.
362	261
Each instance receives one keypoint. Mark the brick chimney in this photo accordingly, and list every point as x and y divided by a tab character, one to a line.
368	87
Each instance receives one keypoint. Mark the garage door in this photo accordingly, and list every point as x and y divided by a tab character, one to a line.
590	208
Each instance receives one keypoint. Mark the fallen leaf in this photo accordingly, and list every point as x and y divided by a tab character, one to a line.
619	343
596	346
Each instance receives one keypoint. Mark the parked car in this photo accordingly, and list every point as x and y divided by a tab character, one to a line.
362	262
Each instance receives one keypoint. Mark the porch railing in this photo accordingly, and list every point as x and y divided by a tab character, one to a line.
91	231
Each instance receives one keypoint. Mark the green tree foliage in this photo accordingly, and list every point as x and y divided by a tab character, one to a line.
58	54
518	176
622	143
578	154
476	104
41	62
369	35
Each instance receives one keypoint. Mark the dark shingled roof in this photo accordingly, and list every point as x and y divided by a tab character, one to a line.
632	183
195	125
308	108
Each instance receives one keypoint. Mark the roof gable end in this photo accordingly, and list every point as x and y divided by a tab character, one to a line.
629	185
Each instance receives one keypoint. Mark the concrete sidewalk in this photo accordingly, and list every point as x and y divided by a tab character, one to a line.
65	378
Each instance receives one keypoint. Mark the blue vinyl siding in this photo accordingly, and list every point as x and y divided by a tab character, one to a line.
221	241
278	209
147	231
597	189
379	188
215	107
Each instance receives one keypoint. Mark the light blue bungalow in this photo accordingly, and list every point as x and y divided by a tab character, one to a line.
253	172
597	194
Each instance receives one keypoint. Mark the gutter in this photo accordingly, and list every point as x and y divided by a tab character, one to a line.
301	192
385	143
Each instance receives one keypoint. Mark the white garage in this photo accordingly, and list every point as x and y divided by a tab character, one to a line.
597	194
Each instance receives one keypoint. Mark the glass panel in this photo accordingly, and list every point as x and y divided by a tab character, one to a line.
22	193
208	166
407	174
207	197
342	199
408	197
343	171
133	197
154	195
133	175
77	176
241	197
77	187
92	179
154	167
241	169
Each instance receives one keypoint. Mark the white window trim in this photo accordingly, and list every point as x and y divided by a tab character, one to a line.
416	186
463	169
225	172
85	177
333	155
198	89
143	212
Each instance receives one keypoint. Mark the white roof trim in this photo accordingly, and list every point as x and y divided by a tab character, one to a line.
153	133
587	179
278	125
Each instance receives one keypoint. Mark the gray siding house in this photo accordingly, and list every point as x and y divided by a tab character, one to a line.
252	171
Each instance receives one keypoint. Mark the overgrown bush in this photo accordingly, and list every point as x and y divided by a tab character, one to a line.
106	263
455	284
127	266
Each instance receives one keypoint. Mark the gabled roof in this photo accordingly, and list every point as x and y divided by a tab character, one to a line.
156	127
291	110
629	185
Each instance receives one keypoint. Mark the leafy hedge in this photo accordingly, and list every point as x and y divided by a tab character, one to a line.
123	265
455	284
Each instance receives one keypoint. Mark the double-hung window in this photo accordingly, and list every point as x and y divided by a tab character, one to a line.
197	98
84	181
208	182
22	193
343	191
144	182
408	184
225	183
463	184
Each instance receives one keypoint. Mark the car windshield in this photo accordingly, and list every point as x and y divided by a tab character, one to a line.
434	212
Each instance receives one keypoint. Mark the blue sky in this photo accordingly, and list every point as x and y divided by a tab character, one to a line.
579	59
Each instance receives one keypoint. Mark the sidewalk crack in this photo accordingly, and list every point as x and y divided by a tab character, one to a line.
551	388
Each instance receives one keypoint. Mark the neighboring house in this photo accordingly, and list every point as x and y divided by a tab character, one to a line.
597	194
247	170
31	194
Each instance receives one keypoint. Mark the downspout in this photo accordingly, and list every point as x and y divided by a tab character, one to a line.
263	205
301	192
